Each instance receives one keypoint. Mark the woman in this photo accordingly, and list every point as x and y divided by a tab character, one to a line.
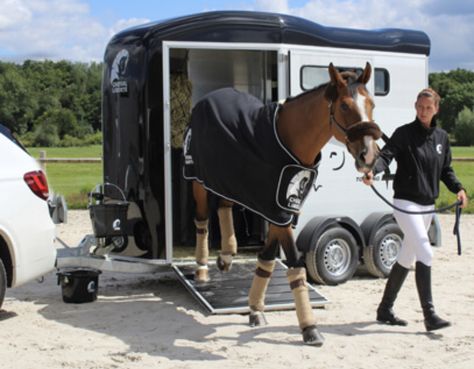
423	157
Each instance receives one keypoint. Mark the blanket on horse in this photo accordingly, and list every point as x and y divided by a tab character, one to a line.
232	146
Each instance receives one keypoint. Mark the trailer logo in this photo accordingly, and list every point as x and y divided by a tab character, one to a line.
117	75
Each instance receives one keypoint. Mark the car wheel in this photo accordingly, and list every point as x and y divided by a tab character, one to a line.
3	282
382	252
334	257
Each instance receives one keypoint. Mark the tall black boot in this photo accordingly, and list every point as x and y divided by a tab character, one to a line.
423	284
385	313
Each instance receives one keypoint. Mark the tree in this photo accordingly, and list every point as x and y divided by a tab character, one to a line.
456	89
464	132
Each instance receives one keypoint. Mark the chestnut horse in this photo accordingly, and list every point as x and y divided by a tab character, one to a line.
301	126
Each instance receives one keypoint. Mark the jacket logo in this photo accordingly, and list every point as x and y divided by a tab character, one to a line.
439	149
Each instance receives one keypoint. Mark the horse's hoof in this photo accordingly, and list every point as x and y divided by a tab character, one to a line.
257	318
311	336
222	264
201	275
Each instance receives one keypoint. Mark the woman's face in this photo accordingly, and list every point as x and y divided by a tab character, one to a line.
426	109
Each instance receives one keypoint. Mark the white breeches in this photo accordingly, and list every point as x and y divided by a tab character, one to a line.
416	244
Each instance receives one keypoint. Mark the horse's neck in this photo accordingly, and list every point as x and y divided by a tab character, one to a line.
303	126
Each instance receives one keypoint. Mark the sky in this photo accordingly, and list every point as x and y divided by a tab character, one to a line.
78	30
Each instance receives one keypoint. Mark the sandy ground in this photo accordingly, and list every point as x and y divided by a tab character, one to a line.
150	321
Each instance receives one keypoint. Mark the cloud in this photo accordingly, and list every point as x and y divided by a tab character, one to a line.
122	24
448	24
51	29
13	12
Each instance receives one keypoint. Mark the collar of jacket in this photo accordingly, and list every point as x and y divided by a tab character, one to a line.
426	131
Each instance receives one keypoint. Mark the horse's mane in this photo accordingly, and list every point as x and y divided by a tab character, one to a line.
330	89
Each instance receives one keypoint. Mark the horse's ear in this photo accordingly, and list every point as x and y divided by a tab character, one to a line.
365	76
335	76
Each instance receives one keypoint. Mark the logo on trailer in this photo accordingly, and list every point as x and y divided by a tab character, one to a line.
117	74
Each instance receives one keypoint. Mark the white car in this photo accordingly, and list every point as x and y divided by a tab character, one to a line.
27	231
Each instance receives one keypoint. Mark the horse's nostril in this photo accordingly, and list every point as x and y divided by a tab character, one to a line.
362	154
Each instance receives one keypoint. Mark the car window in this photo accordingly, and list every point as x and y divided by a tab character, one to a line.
8	134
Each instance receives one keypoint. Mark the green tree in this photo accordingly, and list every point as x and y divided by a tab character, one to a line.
456	89
464	132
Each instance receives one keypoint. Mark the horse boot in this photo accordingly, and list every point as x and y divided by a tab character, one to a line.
304	311
228	240
395	280
263	272
423	285
202	251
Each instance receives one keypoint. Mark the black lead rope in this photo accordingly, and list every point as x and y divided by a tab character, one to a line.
437	210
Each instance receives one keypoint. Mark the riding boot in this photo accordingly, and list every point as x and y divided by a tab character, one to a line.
263	272
395	280
423	284
304	311
202	251
228	240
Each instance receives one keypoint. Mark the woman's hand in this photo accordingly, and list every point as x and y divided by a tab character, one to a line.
463	198
368	178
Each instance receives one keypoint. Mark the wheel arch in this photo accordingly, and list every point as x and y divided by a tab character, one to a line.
373	222
5	255
313	230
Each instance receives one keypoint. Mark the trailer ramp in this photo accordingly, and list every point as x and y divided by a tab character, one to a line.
227	293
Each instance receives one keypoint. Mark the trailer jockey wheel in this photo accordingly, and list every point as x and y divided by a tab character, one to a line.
382	250
119	243
334	258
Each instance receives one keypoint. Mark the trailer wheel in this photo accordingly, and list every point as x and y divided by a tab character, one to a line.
381	253
3	282
334	257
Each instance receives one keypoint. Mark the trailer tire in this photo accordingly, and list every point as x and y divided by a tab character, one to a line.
334	258
380	254
3	282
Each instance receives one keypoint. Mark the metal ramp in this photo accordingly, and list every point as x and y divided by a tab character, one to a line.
227	293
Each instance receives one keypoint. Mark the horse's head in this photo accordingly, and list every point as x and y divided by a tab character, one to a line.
351	106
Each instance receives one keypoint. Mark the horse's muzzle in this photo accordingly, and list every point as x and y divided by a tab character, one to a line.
359	130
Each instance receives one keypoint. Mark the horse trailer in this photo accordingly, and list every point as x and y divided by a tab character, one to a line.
155	73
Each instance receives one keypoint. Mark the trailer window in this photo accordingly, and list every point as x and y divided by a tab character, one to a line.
313	76
382	82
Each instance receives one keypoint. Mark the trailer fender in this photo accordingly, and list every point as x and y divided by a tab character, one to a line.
316	226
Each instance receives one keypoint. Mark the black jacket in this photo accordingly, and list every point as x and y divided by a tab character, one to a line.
423	159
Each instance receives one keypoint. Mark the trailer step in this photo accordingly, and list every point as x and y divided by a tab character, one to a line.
227	293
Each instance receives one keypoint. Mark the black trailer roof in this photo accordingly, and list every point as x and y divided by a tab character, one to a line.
260	27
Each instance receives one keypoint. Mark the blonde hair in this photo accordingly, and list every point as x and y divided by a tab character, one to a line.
429	92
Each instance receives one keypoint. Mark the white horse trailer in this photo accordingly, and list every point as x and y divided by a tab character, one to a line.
155	73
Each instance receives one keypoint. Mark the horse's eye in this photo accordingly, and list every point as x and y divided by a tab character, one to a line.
344	107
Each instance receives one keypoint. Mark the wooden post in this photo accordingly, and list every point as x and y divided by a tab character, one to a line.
42	159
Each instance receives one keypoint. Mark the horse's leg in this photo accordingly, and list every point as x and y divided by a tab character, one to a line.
228	240
201	221
261	279
297	278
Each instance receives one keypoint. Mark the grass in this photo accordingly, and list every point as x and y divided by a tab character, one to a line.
74	181
465	173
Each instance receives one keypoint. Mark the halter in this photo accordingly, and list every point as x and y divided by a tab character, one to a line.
356	130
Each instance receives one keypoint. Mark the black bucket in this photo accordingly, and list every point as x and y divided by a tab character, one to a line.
80	285
108	219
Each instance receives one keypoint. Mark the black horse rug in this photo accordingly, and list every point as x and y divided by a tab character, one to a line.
232	147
